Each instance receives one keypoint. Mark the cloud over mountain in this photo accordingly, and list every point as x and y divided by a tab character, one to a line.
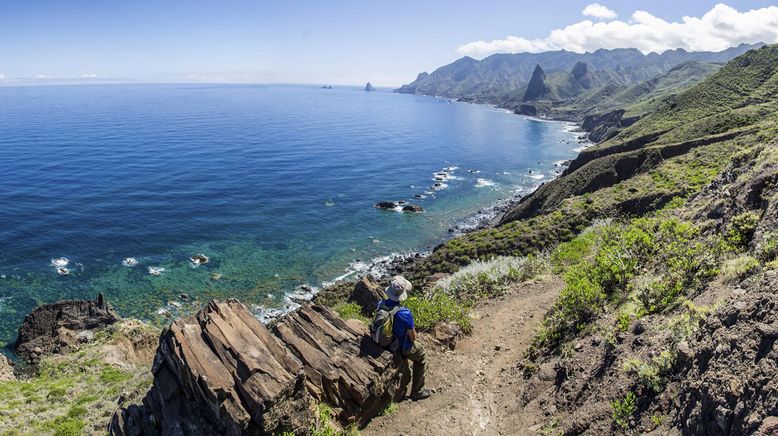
721	27
596	10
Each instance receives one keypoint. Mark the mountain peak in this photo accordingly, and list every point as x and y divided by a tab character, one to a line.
537	85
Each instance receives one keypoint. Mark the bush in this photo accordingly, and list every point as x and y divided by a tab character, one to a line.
439	307
767	250
622	322
573	252
579	302
741	229
739	268
623	410
652	375
351	311
490	278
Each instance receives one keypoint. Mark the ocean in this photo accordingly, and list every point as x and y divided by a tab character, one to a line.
112	188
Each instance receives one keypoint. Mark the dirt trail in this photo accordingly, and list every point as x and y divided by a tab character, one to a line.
478	384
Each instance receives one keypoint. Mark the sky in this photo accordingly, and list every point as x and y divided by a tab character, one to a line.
340	42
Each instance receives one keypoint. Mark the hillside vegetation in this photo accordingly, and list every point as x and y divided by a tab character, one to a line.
666	236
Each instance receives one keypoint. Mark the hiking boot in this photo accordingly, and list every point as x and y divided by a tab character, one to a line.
422	394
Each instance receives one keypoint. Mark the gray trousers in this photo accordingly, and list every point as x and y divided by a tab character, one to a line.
419	358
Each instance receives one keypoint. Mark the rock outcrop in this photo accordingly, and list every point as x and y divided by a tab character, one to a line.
6	369
369	87
223	372
537	85
367	293
54	328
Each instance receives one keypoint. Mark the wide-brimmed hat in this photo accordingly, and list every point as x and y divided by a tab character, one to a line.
398	289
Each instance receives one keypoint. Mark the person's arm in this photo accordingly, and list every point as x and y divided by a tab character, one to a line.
412	334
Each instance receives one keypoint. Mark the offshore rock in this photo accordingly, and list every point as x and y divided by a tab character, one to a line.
54	328
223	372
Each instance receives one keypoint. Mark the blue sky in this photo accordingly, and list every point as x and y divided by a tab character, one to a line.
338	42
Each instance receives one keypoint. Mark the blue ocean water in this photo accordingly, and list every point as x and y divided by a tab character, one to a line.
275	184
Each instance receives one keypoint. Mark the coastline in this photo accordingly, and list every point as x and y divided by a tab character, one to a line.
385	266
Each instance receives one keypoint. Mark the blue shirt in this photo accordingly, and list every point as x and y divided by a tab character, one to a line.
403	321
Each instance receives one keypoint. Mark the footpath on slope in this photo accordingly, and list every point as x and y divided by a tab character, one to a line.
478	384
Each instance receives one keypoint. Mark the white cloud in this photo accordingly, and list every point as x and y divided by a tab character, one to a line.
2	76
88	76
597	10
721	27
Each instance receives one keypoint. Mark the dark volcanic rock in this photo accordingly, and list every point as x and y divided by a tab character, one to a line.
412	208
367	293
53	328
223	372
369	87
537	85
405	207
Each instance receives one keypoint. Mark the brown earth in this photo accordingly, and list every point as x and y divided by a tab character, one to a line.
477	385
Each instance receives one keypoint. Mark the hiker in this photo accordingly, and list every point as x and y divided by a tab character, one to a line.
403	335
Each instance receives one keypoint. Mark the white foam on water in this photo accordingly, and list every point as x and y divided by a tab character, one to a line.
60	262
483	183
129	262
156	270
537	176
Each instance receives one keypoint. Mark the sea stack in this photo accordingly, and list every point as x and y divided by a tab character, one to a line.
369	87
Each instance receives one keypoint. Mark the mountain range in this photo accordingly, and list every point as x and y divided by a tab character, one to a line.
568	85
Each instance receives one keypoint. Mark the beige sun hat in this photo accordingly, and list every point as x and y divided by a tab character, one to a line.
398	289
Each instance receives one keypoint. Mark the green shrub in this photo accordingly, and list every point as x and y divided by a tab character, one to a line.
767	251
683	325
622	322
573	252
623	410
739	268
579	302
439	307
351	311
324	423
651	375
741	229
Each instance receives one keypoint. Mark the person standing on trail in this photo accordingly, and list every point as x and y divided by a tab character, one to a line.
404	332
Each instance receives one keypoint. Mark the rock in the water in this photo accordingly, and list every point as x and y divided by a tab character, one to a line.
412	208
6	369
367	293
385	205
223	372
53	328
369	87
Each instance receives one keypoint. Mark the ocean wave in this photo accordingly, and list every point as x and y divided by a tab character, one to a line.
536	176
60	262
156	270
483	183
129	262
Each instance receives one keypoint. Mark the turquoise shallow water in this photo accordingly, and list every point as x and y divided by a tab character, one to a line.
274	183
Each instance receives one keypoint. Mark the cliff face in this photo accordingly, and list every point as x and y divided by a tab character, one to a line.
54	328
222	372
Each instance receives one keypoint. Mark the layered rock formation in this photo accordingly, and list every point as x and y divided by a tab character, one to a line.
223	372
54	328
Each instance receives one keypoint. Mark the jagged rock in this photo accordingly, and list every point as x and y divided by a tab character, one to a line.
367	293
343	366
369	87
537	85
6	369
53	328
222	372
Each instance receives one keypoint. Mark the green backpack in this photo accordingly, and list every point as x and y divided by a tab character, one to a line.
381	328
